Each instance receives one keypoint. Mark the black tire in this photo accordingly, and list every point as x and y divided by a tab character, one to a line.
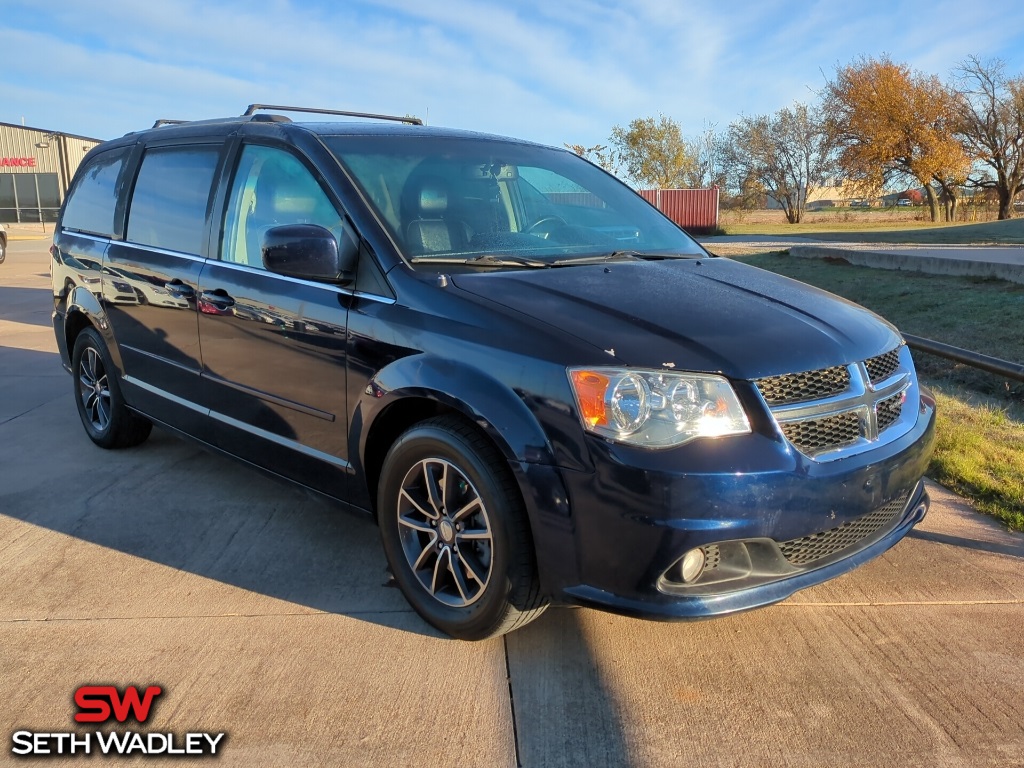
107	420
445	485
3	250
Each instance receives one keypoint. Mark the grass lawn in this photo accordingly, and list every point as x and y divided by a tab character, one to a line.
979	314
980	454
882	230
980	450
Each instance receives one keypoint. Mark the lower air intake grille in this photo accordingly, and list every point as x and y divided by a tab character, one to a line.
808	549
712	557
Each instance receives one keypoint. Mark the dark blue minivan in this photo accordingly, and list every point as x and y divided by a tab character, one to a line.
541	388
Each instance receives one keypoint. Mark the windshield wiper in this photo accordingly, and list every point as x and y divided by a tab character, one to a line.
625	254
484	260
654	255
490	260
613	256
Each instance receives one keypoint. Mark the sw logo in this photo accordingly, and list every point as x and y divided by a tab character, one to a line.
96	703
105	703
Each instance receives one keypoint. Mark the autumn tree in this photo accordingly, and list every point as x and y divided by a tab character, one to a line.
786	154
991	113
890	122
653	152
599	155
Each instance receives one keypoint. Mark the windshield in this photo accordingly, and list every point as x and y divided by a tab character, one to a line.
493	203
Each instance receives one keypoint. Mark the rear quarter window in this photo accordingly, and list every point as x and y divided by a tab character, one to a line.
91	204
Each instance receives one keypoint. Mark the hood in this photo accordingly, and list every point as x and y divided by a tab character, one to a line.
709	315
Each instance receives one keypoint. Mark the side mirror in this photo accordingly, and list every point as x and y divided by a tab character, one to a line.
311	252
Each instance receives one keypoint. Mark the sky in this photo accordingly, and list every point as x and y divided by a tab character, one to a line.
551	71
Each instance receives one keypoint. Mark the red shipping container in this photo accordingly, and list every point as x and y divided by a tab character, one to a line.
695	210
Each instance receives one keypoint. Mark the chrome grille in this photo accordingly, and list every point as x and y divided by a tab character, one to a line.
831	412
814	436
816	546
882	367
801	387
889	410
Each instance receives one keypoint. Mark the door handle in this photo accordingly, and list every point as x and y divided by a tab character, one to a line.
179	290
219	298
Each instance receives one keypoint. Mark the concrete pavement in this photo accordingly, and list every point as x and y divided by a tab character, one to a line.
1005	262
266	614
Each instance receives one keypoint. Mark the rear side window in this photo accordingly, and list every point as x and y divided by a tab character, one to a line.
91	204
168	206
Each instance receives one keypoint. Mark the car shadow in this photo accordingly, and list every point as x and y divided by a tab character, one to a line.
1010	549
26	305
175	504
567	713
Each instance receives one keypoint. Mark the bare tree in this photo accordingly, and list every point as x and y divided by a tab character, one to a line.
991	125
709	152
785	154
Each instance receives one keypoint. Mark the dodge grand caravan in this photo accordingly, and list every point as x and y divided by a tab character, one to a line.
540	388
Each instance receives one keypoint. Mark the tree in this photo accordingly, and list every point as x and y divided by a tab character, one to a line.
599	155
653	152
915	196
709	154
891	123
991	113
785	154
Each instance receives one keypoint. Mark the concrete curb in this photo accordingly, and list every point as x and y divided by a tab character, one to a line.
913	262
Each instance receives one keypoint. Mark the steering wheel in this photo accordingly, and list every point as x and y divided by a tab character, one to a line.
544	226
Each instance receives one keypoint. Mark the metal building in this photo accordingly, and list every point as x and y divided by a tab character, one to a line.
36	167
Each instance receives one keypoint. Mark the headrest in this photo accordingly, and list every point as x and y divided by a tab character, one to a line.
293	205
433	199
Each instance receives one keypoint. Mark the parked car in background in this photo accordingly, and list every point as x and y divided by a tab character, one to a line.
903	202
539	387
3	243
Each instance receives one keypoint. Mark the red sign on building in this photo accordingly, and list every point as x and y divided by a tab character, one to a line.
17	162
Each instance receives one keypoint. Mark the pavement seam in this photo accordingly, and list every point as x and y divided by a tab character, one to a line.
512	703
30	410
894	603
83	619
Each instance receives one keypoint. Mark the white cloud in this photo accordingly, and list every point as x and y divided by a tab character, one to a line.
553	71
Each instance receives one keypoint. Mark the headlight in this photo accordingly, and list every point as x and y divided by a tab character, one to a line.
656	408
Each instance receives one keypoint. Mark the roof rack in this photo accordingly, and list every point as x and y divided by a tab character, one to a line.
259	107
160	122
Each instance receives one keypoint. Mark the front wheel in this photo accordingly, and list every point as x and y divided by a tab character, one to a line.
107	420
455	532
3	250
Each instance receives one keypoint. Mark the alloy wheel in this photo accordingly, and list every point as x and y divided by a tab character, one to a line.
94	389
445	532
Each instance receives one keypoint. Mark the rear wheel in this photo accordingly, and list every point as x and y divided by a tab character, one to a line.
3	250
107	420
455	532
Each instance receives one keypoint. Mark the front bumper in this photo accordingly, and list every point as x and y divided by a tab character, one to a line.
770	521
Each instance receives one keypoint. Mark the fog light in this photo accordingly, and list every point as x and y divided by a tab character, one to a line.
693	565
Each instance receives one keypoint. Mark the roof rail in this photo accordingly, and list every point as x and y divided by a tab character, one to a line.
252	108
160	122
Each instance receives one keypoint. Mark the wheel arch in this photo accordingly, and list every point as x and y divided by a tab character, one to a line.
84	310
420	387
